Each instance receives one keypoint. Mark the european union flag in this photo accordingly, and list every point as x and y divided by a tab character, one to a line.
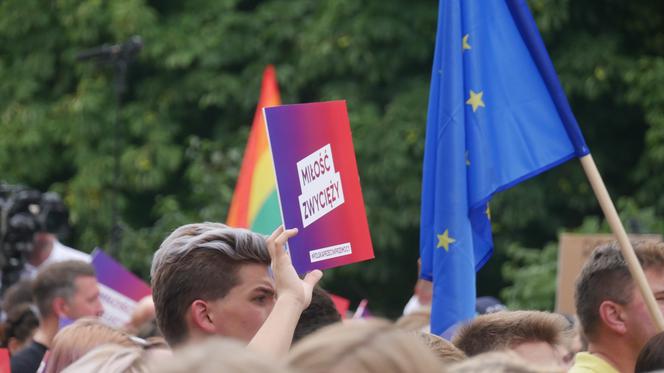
497	115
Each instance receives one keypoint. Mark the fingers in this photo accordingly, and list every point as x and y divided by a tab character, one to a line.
276	241
313	277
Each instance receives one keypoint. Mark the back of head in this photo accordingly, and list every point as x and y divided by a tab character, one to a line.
18	293
320	313
651	357
77	339
605	276
499	362
362	346
507	329
19	327
58	280
447	352
111	358
415	321
217	355
199	261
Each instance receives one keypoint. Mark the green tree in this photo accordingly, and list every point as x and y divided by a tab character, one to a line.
192	92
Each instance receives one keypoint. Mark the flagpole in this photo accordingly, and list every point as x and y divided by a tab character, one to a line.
625	245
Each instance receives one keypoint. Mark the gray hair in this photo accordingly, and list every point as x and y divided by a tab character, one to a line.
235	243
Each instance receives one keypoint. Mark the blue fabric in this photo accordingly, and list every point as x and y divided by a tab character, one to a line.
497	116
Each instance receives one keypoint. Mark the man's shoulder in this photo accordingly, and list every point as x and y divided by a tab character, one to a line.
585	362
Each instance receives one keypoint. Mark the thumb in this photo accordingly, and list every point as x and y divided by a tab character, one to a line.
313	277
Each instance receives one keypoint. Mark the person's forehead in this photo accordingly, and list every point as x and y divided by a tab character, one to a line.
85	282
254	274
655	276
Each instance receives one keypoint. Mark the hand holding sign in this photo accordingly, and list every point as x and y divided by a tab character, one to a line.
287	282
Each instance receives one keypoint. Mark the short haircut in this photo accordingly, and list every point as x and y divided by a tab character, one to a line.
605	276
199	261
321	312
507	329
58	280
651	357
446	352
362	346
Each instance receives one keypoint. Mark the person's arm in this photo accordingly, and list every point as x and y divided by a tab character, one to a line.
293	296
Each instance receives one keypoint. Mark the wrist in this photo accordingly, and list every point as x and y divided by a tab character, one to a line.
291	298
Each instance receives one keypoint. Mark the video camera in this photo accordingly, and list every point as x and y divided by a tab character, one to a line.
25	212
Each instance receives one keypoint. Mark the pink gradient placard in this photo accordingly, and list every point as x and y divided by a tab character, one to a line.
318	184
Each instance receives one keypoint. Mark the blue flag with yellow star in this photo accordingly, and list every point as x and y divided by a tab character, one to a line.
497	115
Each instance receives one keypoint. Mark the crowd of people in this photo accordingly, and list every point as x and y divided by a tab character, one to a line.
229	300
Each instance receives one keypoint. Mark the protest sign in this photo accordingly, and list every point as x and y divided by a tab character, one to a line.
318	184
120	289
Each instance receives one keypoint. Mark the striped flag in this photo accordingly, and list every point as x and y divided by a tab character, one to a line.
255	203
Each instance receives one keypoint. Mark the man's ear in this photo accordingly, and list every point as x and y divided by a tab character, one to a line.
200	316
612	316
60	307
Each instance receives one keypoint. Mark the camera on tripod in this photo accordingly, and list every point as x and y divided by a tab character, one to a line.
24	212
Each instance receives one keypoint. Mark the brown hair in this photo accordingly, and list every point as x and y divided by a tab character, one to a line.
199	261
20	324
505	329
75	340
651	357
445	350
605	276
58	280
321	312
362	346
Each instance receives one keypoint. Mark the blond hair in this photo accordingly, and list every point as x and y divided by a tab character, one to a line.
499	362
416	321
442	348
77	339
508	329
217	354
362	346
111	358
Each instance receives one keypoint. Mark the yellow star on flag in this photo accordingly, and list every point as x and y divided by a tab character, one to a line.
488	212
475	100
464	42
444	240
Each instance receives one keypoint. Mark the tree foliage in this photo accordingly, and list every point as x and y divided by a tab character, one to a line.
191	94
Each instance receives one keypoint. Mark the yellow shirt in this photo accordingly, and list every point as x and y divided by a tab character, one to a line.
588	363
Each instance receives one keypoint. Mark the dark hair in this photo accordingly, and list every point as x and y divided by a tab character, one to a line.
20	324
199	261
58	280
651	357
321	312
605	276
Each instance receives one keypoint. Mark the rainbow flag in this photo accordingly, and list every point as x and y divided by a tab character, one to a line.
255	203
